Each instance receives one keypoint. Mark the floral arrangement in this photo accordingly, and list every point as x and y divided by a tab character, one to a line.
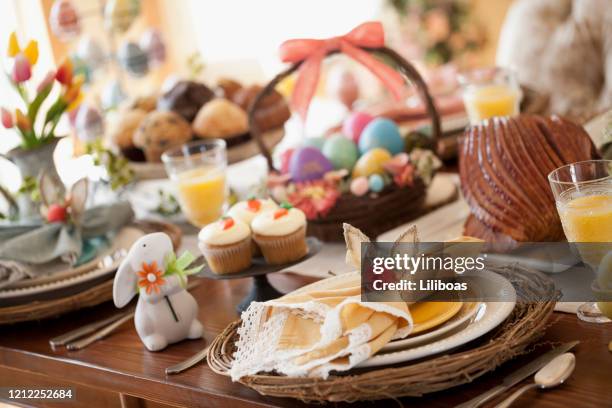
117	168
443	29
24	119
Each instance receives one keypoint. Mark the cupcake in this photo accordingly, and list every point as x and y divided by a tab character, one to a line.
226	245
246	211
281	235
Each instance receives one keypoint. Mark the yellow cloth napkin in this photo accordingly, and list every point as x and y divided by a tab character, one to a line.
322	327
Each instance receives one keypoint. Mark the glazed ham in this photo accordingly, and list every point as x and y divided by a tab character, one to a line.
503	165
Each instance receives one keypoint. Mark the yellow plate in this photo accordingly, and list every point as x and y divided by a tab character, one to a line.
426	315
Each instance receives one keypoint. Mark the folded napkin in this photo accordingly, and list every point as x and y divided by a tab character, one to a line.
23	248
314	331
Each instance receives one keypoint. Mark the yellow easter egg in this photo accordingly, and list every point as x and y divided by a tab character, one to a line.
371	163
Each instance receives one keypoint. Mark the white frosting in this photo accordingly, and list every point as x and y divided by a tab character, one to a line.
242	211
266	224
214	233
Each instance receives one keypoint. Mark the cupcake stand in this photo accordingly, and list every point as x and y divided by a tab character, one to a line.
261	289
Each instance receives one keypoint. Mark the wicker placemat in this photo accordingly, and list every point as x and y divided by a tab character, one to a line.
526	324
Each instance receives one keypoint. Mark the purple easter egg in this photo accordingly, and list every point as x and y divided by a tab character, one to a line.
354	125
308	163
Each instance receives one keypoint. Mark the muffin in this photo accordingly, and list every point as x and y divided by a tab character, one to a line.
227	88
159	131
247	210
122	133
220	118
185	98
226	245
147	103
281	235
272	111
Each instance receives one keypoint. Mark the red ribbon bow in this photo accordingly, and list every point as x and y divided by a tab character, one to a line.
312	52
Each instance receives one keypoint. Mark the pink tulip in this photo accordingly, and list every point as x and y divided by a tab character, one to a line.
47	80
7	118
22	69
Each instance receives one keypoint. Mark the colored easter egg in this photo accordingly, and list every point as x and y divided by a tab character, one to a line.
81	67
90	50
359	186
112	95
353	125
316	142
89	123
376	183
371	163
64	20
152	43
343	85
120	14
308	163
381	132
133	59
341	152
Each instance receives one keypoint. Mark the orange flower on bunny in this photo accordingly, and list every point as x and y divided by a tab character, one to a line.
151	277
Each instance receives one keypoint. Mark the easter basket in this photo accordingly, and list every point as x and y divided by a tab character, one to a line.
376	211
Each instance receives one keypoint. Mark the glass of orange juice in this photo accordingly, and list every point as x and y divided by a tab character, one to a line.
489	92
199	170
583	194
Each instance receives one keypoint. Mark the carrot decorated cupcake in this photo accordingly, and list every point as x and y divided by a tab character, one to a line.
226	245
281	234
247	210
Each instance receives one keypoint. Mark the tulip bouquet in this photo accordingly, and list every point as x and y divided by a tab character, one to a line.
25	119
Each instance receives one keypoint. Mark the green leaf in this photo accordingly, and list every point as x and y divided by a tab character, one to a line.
37	102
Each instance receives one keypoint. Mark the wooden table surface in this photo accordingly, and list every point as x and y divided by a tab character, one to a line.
119	366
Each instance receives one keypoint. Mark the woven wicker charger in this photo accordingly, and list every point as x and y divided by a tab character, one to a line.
92	296
394	206
526	324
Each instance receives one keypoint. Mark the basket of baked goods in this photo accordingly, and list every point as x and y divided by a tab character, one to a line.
366	175
188	110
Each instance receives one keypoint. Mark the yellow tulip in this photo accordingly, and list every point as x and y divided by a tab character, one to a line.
13	45
22	121
31	52
75	103
78	80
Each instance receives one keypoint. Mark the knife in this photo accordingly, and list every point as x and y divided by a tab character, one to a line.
518	376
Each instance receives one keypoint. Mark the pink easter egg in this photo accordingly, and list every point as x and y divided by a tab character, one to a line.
308	163
64	20
354	124
359	186
153	45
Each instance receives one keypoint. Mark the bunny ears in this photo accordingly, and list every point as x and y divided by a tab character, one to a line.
58	204
354	237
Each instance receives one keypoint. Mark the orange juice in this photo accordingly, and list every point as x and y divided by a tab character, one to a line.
201	193
588	218
483	102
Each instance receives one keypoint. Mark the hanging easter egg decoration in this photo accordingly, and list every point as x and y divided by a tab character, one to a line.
354	124
342	84
120	14
89	123
133	59
112	95
316	142
64	20
153	45
341	152
372	162
91	51
381	132
308	163
80	67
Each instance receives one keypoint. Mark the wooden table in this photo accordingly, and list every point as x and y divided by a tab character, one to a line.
118	371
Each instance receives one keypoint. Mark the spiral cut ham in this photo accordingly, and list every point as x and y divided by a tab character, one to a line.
504	163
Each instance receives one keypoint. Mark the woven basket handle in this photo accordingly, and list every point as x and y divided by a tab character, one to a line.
411	75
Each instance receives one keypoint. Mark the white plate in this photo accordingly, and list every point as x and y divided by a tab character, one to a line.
144	197
486	320
466	313
72	284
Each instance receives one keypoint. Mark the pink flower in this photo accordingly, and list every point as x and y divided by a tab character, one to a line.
47	81
22	69
7	118
315	198
405	177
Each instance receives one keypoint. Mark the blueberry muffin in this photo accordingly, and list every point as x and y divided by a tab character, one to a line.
159	131
122	133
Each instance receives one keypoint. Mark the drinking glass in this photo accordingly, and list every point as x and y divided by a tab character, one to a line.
199	170
489	92
583	194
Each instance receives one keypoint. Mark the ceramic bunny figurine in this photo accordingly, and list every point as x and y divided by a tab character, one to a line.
166	313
